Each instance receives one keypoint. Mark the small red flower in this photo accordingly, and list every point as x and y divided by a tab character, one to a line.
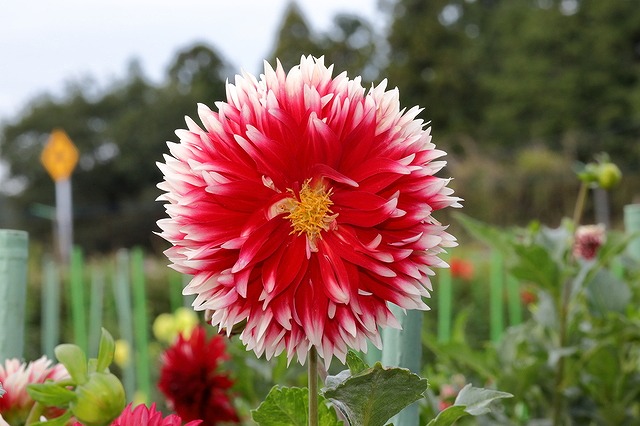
192	382
528	297
462	269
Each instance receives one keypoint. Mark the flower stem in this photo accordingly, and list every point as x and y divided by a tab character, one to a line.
577	211
313	386
558	396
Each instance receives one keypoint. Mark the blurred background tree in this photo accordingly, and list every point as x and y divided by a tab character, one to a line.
516	92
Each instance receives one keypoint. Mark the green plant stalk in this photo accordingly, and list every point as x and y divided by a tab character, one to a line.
313	386
444	306
496	301
36	411
140	323
77	299
558	397
579	207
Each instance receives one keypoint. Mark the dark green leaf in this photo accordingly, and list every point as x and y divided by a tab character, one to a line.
51	394
376	394
289	407
491	236
534	264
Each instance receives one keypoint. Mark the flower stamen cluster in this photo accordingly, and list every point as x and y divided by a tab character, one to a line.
311	213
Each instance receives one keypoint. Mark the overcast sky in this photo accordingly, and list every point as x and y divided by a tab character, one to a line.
45	44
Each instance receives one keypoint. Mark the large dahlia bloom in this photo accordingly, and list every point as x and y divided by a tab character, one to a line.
303	206
192	381
15	375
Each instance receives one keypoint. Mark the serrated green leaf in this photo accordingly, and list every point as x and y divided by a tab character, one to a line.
285	406
105	352
50	394
376	394
75	361
355	363
448	416
58	421
477	400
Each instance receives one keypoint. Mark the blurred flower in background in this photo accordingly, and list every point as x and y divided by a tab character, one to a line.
588	239
462	269
192	380
167	327
15	375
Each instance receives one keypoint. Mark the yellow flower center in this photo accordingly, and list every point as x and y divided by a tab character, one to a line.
312	213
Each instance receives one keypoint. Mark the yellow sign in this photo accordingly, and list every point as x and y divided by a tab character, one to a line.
59	156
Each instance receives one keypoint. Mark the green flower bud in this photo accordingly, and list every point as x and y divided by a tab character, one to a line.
100	400
609	175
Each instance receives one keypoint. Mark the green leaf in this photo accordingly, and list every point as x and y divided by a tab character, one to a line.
477	400
355	363
534	264
491	236
51	394
607	293
376	394
285	406
58	421
74	359
448	416
106	351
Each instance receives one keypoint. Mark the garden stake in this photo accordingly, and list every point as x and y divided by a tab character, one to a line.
14	251
444	306
95	309
403	348
50	307
121	286
140	323
77	300
515	304
496	289
632	225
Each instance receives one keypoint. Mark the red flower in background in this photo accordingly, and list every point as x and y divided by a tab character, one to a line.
191	380
143	416
304	207
528	297
462	269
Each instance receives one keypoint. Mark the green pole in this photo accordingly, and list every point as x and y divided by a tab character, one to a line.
515	305
632	225
445	297
14	251
140	323
175	290
78	311
50	307
122	295
496	283
403	348
95	309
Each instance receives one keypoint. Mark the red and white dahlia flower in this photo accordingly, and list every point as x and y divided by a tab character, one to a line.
304	207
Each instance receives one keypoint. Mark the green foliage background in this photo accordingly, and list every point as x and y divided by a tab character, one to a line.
516	93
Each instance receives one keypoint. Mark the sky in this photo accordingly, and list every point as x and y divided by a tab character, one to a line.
45	45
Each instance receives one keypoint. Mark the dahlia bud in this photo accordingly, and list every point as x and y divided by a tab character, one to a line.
588	240
609	175
99	401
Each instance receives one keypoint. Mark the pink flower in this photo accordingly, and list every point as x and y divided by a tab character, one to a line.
143	416
15	375
588	240
191	379
304	206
